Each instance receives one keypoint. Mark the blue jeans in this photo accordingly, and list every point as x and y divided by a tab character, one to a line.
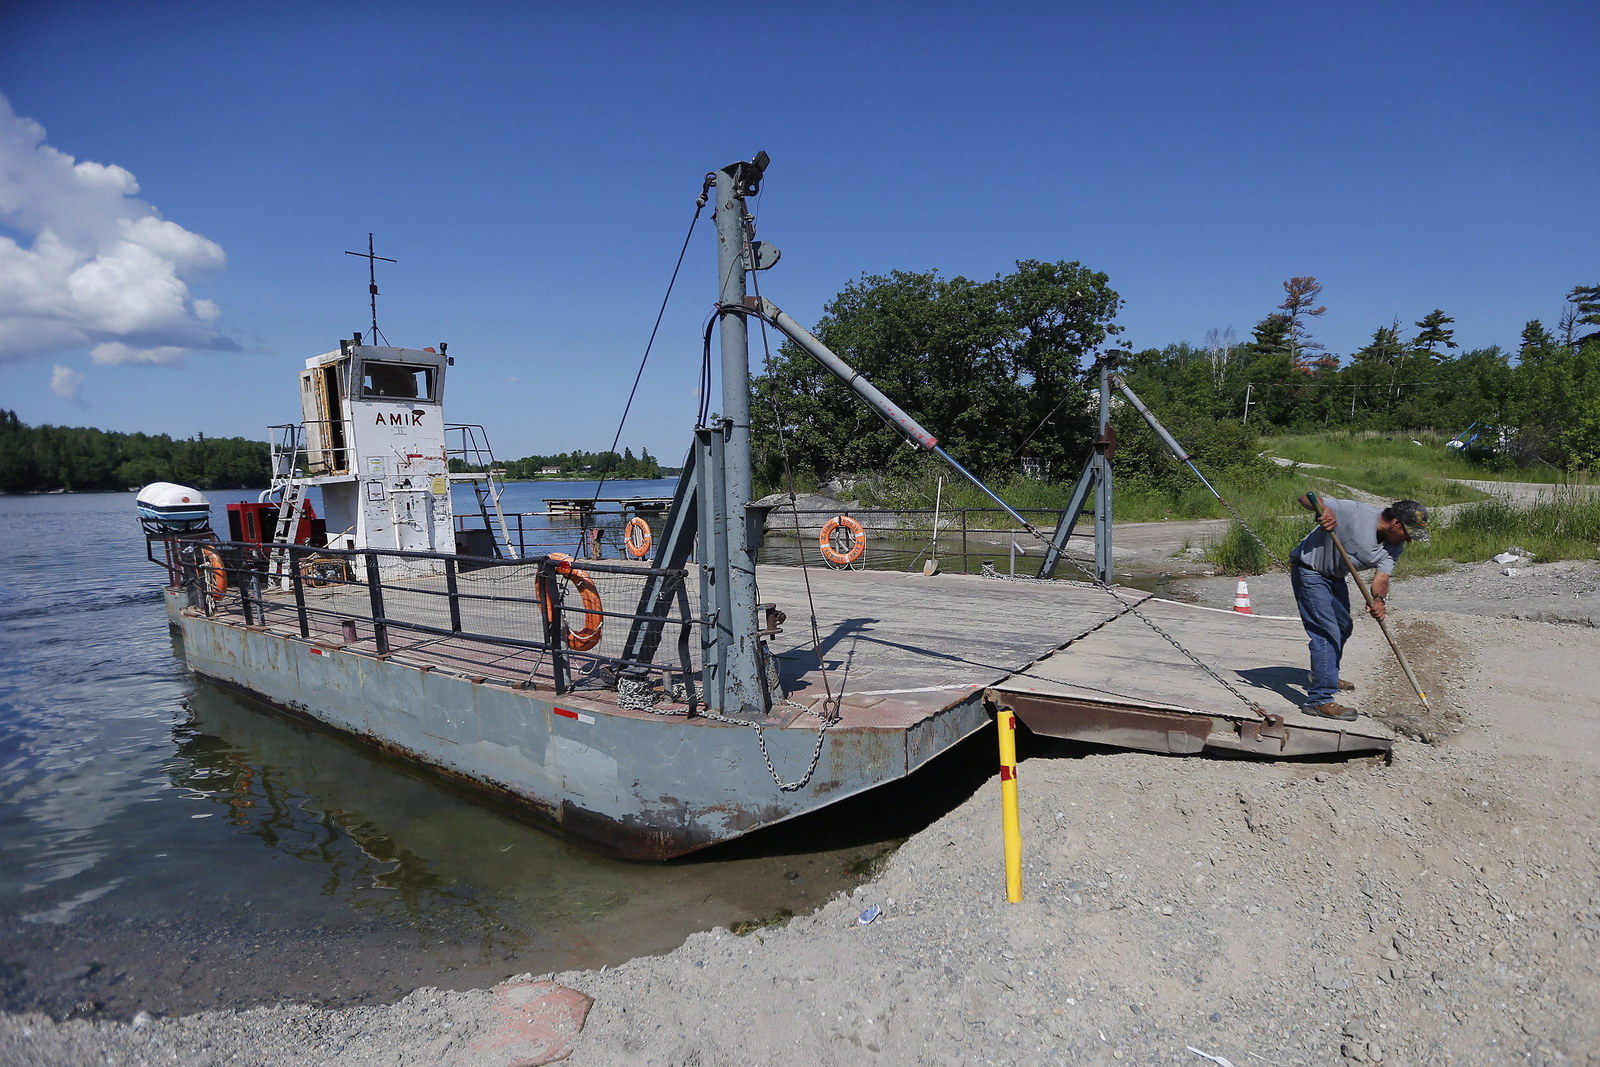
1324	605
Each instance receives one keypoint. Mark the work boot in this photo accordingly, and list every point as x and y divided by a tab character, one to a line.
1330	710
1344	686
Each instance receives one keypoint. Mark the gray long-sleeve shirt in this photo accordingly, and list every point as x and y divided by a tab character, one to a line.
1358	530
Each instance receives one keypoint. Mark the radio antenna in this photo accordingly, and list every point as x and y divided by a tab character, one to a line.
372	284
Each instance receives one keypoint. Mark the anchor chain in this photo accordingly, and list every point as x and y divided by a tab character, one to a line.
1249	530
634	695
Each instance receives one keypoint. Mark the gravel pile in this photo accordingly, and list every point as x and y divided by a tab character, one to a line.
1440	906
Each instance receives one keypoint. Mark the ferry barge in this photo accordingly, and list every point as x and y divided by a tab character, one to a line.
643	708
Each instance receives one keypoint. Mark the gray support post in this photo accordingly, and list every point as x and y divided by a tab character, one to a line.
742	694
672	553
721	695
1069	517
1102	489
709	508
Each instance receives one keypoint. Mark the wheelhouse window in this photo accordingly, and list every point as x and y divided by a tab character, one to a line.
397	381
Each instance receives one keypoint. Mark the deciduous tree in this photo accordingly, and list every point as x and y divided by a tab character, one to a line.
982	364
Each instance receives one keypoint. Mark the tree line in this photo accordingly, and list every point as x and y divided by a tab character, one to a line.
578	464
1536	402
999	371
43	458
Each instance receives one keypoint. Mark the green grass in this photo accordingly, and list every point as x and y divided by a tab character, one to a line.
1387	465
1563	526
1236	552
1423	455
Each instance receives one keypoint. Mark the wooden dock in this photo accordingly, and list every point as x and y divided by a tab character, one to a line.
580	505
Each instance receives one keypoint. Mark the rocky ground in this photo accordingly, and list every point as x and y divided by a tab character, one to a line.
1438	906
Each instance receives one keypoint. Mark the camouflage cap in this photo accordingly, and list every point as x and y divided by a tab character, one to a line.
1413	516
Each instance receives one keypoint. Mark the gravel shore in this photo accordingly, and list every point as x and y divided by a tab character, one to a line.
1439	906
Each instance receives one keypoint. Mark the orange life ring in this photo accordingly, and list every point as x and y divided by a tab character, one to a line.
216	573
854	541
638	547
585	639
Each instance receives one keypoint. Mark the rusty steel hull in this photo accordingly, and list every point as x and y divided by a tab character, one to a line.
625	784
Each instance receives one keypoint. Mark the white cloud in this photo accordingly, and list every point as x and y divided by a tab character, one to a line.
66	383
86	265
112	353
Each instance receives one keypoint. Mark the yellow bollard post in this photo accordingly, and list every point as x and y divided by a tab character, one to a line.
1006	726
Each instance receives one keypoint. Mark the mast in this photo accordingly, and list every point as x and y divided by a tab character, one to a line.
741	690
372	285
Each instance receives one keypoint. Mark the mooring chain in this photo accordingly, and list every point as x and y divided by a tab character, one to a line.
1142	617
633	695
1247	529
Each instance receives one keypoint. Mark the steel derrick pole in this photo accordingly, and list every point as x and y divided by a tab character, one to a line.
740	689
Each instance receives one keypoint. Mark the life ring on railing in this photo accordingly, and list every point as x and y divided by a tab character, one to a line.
585	639
852	541
636	538
216	573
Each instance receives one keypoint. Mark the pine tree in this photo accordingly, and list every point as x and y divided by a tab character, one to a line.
1431	333
1537	342
1301	293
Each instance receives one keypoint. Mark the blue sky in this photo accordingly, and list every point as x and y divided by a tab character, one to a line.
533	167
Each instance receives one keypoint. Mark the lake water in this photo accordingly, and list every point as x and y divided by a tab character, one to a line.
168	846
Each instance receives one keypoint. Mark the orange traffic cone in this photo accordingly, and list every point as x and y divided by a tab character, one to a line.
1241	599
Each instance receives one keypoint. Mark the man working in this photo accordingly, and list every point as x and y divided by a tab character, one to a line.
1374	538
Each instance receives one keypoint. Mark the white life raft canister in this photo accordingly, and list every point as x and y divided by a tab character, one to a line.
168	508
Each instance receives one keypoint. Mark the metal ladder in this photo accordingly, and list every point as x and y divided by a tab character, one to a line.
486	489
290	511
473	450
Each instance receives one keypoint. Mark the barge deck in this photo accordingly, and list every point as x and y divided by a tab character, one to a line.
912	664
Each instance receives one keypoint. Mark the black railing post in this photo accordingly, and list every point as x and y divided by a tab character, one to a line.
250	595
298	583
451	592
966	568
550	611
380	629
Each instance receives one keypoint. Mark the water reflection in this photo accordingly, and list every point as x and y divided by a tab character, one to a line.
166	845
379	838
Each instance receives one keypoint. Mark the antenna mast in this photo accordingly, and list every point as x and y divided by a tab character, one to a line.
372	284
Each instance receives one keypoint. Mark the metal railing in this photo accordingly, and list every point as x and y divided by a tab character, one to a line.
596	534
970	540
293	456
529	622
